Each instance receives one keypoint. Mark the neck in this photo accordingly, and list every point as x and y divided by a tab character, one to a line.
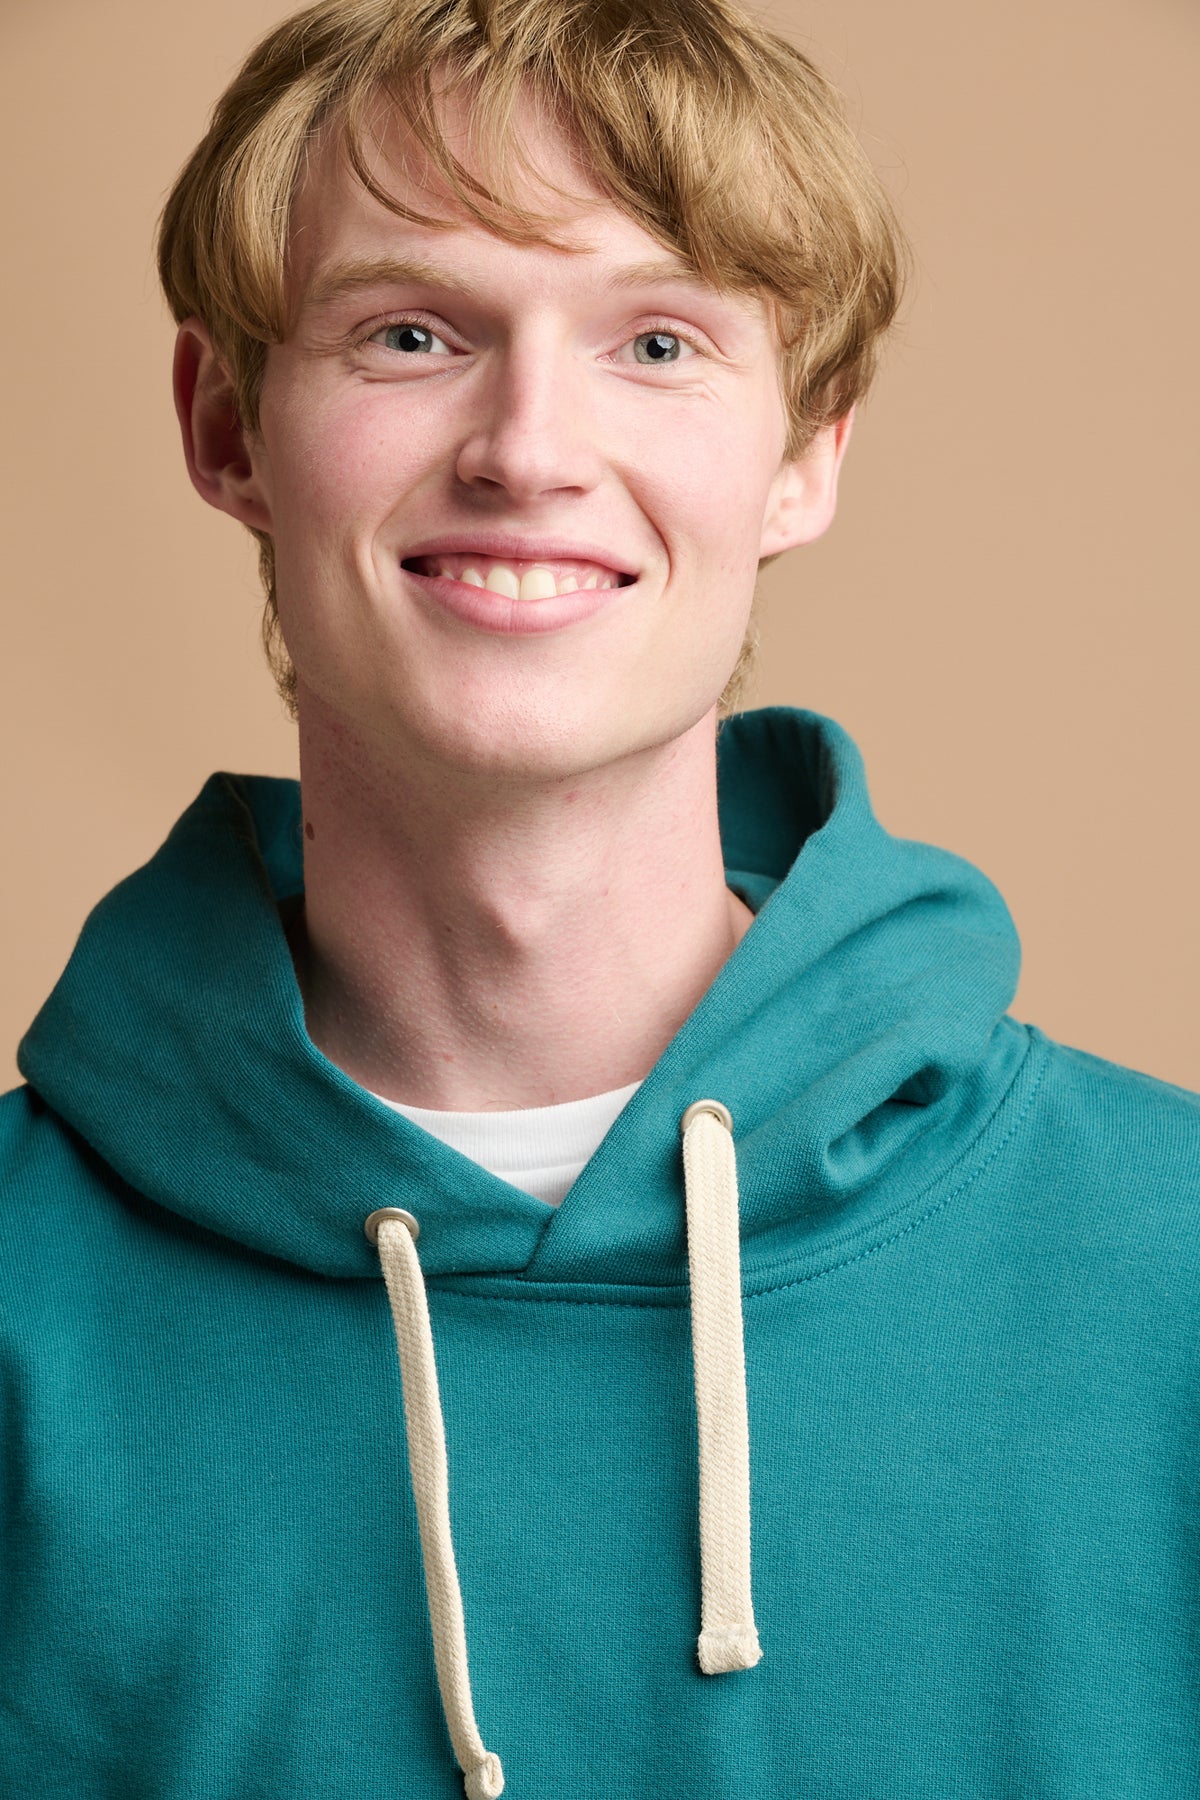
473	946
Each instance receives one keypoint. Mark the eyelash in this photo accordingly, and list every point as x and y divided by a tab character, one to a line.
427	323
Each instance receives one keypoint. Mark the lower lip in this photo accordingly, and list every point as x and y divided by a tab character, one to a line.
496	612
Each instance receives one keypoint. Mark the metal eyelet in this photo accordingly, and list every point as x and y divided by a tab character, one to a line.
374	1220
706	1106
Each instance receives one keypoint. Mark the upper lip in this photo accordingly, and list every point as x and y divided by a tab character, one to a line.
511	547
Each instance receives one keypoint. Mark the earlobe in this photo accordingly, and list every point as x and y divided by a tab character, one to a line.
804	498
215	443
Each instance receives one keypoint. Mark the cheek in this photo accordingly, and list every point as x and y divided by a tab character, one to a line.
337	470
714	485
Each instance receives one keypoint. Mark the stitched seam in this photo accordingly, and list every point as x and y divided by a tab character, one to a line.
968	1179
852	1236
671	1305
964	1164
759	1293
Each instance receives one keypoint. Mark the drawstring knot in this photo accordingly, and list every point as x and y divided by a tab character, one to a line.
728	1638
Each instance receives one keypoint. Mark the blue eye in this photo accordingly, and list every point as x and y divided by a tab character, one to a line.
407	336
658	346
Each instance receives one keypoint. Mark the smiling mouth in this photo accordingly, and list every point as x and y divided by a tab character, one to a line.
518	580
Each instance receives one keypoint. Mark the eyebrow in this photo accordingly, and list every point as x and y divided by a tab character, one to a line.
389	271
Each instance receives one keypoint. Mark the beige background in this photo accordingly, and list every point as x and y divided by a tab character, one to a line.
1003	614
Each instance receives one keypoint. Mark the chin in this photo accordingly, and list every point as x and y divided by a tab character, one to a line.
536	736
529	744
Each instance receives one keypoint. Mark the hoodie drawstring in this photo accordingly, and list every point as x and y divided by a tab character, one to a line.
728	1638
395	1233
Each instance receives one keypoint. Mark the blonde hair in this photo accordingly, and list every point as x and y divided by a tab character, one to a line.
719	137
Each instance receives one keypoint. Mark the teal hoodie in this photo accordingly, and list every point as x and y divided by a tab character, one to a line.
970	1277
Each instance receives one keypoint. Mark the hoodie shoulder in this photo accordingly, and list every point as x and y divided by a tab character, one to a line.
27	1127
1128	1141
46	1174
1120	1089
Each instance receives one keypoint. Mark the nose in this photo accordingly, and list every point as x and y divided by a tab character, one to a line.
531	431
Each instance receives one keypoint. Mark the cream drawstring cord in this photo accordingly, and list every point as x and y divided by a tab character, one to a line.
394	1232
728	1638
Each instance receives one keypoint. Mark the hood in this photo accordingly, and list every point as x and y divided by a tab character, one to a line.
856	1035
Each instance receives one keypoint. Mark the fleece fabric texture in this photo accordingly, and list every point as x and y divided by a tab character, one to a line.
971	1272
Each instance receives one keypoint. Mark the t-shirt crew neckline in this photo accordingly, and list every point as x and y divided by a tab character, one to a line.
540	1149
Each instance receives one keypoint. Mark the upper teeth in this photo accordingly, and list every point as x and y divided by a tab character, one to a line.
532	583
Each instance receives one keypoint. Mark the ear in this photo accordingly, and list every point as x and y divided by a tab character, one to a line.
221	460
804	493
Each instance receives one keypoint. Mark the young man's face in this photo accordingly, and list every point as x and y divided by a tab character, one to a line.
514	403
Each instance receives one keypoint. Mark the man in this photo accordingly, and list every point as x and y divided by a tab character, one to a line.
797	1355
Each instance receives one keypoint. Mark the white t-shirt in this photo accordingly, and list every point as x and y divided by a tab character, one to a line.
540	1149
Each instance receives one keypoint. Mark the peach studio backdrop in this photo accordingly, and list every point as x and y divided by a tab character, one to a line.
1003	614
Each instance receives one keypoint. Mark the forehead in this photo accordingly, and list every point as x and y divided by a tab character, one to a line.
335	219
